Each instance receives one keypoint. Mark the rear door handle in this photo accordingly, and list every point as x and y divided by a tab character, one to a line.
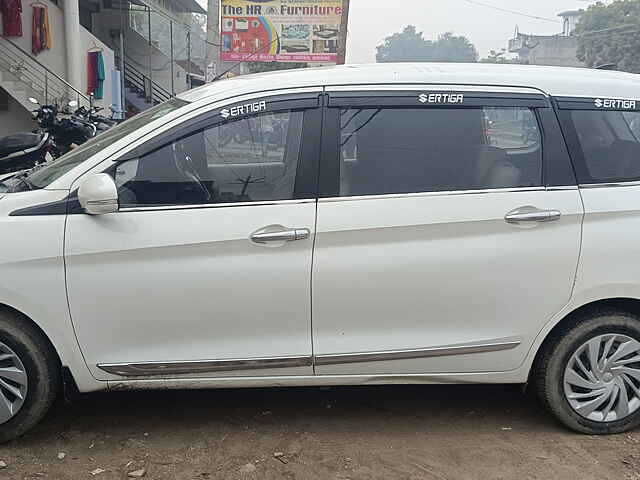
531	214
275	234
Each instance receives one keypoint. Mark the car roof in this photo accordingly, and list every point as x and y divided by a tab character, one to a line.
554	81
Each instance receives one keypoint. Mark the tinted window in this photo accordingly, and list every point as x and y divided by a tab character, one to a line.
42	177
609	143
248	160
387	151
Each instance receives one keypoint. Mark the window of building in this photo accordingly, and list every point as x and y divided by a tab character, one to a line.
407	150
248	160
610	145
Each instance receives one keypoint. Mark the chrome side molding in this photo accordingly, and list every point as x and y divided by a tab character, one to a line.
213	366
336	359
204	366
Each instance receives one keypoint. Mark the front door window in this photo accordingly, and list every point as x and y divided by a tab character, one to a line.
253	159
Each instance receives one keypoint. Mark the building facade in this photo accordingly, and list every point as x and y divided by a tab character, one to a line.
146	49
555	50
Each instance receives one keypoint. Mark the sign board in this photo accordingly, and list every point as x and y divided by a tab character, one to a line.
280	30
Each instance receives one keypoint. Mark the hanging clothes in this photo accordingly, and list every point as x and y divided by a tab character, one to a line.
47	30
95	74
99	93
35	31
92	72
40	30
11	11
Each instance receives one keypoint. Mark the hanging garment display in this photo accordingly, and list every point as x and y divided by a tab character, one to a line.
40	29
95	74
11	11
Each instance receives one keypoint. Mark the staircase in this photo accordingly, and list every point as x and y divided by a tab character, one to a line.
140	91
23	76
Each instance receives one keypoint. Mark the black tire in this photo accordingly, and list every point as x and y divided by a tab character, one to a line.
43	371
548	373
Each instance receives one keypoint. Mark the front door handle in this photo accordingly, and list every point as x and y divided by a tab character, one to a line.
531	214
279	234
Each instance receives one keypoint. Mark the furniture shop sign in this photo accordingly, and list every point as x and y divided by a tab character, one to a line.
280	30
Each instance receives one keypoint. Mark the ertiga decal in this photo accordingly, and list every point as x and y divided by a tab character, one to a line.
246	109
615	103
441	98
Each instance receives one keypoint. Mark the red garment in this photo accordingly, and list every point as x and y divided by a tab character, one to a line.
35	31
11	17
40	34
92	72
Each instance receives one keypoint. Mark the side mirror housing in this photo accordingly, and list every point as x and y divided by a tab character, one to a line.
98	194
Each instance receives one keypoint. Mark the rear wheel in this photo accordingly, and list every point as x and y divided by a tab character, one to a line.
588	373
30	376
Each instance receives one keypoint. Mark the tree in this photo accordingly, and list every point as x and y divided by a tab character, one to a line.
410	46
610	34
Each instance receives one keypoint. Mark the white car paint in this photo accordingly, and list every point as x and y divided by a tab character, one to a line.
434	270
129	311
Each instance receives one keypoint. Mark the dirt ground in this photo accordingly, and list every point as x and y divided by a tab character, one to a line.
399	432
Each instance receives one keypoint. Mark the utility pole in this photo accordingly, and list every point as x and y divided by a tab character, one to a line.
344	30
213	40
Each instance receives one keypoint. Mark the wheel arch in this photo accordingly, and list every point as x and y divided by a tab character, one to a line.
624	304
75	374
24	318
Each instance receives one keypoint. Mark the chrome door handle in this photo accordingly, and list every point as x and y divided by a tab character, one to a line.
531	214
289	235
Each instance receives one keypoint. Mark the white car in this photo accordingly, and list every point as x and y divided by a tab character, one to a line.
382	224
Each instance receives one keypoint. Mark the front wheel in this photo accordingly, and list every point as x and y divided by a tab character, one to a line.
30	376
588	373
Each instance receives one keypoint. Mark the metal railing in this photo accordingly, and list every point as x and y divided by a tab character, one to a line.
139	82
39	79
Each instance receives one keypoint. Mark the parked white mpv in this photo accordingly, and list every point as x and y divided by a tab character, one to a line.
412	223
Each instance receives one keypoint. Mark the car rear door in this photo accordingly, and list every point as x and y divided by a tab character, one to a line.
448	229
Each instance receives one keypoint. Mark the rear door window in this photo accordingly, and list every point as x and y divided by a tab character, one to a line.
606	145
411	150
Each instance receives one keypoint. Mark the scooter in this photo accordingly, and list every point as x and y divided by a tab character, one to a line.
24	150
54	138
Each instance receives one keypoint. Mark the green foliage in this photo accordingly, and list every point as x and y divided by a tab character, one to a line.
258	67
610	34
410	46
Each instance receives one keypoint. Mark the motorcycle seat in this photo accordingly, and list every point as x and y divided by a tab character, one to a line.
18	142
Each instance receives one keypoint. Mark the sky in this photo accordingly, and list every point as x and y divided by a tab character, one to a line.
370	21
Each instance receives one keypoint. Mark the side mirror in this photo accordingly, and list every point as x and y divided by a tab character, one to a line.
98	194
34	101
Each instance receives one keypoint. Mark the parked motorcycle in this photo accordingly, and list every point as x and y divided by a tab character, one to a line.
101	122
53	138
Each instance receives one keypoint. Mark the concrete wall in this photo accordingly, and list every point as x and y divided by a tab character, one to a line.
56	58
15	119
553	50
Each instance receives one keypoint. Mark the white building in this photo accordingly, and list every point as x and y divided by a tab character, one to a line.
159	38
554	50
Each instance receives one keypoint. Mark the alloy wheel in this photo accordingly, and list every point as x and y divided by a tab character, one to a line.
602	378
13	383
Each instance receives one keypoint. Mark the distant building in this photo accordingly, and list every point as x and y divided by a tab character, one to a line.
558	50
151	50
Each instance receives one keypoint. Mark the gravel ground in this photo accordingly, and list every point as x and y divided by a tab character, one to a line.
399	432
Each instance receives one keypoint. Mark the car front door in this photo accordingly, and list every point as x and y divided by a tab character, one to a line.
205	269
448	229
